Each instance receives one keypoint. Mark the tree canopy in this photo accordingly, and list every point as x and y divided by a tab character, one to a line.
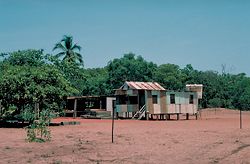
30	76
129	68
26	79
69	50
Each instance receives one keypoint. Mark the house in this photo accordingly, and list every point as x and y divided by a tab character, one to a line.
150	99
137	98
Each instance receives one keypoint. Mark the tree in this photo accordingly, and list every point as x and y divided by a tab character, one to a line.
96	81
32	89
129	68
73	73
68	50
26	84
170	76
28	57
240	91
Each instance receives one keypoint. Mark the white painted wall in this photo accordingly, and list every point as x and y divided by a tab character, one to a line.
109	105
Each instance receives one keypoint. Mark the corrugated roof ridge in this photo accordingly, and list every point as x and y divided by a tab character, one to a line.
155	86
144	85
159	86
132	85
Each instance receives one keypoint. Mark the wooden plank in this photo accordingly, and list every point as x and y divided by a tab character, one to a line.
163	102
149	101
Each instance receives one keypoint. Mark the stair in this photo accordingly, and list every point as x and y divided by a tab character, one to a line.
140	113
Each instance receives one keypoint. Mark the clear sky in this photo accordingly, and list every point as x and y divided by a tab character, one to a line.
204	33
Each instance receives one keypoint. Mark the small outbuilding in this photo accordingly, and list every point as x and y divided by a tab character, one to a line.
77	105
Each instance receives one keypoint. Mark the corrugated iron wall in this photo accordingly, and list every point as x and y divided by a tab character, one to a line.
163	106
182	104
163	102
149	102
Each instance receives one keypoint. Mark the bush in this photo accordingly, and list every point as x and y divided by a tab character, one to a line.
38	131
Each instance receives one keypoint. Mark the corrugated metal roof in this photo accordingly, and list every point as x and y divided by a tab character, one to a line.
194	85
144	85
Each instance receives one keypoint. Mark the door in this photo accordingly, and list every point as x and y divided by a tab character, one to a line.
141	97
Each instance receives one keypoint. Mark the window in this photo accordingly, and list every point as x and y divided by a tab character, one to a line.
172	98
191	99
133	100
122	99
155	100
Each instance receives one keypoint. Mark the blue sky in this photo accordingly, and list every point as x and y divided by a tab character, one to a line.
204	33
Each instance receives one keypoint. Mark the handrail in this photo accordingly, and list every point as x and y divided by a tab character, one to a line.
142	114
142	110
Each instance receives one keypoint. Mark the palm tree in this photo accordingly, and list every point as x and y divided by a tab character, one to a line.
68	50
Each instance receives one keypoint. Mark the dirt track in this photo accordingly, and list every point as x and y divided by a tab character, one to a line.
216	138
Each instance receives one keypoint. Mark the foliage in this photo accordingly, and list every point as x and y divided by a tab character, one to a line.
129	68
72	73
21	85
96	81
27	80
28	114
170	76
38	131
26	57
30	77
215	102
68	50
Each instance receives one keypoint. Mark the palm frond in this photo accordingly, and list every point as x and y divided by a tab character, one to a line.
76	47
68	50
81	61
78	57
59	46
67	40
59	54
66	37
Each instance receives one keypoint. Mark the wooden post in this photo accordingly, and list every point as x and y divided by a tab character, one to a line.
168	117
187	116
113	116
178	117
240	119
75	105
199	113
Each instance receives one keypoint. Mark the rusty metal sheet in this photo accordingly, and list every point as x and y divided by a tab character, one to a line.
144	85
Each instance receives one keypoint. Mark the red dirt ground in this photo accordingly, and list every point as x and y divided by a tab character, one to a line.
215	138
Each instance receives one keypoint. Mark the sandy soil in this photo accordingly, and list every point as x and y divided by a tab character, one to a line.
215	138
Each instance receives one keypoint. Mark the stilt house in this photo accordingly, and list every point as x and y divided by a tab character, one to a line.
134	98
149	99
